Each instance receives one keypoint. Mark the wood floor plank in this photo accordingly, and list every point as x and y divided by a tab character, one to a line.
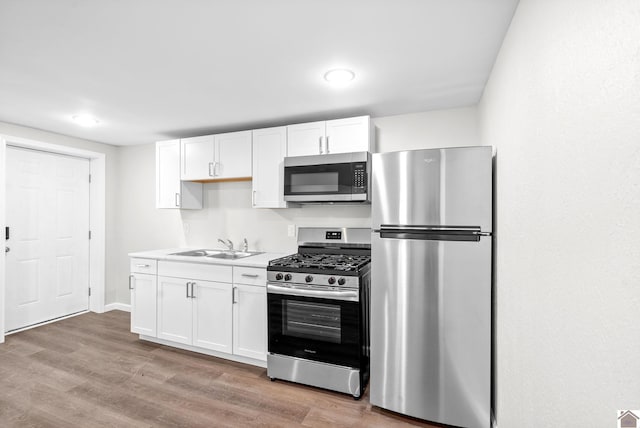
90	371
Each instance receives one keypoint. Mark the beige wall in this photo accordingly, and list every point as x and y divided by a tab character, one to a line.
227	211
112	189
562	106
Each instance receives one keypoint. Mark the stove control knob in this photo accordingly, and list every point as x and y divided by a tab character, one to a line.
287	277
341	281
278	276
308	278
332	280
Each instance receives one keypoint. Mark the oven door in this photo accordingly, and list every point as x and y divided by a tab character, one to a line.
314	328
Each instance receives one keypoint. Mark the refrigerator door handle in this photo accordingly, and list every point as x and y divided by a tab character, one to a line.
432	233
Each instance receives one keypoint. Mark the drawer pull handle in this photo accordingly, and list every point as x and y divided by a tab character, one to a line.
143	266
131	278
250	275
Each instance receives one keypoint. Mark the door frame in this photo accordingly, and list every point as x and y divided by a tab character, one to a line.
97	215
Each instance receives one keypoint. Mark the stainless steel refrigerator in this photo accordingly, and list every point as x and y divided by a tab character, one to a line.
431	284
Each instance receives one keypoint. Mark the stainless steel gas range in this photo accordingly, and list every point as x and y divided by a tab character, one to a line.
318	310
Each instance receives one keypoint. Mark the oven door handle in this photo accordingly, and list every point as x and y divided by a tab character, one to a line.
345	295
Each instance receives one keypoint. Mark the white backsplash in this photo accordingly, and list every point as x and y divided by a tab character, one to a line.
227	213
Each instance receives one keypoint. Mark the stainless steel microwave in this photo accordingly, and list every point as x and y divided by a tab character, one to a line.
337	177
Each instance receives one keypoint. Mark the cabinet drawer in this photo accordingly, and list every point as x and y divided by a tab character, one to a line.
249	276
137	265
218	273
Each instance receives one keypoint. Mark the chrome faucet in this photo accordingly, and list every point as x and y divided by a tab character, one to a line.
245	245
227	243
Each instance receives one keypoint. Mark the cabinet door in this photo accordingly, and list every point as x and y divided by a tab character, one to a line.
168	174
269	150
250	321
143	303
170	191
212	315
305	139
197	158
174	310
233	155
348	135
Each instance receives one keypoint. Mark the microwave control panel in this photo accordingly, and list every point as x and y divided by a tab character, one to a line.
360	178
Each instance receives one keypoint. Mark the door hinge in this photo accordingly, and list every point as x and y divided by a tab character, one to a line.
89	178
89	234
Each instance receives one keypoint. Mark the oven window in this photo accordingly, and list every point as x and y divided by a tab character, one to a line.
315	321
315	182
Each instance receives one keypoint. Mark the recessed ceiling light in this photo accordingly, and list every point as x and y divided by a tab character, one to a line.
339	76
85	120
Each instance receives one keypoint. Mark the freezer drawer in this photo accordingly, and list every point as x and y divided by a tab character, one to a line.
431	329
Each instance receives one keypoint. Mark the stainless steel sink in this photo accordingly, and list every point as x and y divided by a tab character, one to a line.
218	254
197	253
230	255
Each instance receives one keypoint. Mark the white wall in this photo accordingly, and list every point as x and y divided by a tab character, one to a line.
227	211
563	108
112	184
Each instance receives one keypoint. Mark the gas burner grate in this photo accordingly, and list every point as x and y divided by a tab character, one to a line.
319	262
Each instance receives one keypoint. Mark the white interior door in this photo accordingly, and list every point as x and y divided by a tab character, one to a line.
47	267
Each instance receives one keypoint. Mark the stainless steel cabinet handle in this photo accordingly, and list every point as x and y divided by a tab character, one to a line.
143	266
326	143
211	169
193	294
249	275
320	144
253	198
131	278
177	199
216	168
187	288
233	295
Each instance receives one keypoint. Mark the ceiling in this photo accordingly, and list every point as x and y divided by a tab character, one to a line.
158	69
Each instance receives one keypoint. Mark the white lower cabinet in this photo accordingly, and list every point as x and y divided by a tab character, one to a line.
250	321
212	319
143	303
175	314
143	287
195	312
226	312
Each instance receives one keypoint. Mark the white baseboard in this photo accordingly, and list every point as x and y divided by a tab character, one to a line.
117	307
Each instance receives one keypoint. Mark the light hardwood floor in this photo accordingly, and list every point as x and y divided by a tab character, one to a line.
89	371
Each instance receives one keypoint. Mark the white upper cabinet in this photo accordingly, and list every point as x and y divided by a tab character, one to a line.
353	134
198	156
305	139
269	150
170	191
233	155
216	157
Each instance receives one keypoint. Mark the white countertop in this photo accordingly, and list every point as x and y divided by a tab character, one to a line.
258	260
